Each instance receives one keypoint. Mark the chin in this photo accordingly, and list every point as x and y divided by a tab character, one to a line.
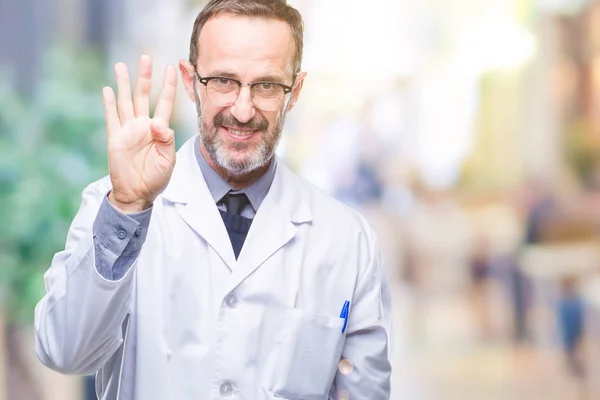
240	163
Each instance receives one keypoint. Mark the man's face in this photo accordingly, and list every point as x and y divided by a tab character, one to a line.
240	138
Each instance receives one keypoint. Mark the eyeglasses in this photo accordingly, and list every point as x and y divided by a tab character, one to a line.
223	92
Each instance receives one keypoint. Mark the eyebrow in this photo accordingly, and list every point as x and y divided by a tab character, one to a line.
270	78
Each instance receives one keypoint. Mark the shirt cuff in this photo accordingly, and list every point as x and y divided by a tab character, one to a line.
118	239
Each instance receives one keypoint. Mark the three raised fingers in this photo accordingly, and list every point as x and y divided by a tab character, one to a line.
123	109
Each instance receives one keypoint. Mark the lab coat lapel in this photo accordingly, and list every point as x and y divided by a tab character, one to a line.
203	217
200	212
275	224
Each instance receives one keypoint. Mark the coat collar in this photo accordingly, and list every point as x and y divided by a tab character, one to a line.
286	205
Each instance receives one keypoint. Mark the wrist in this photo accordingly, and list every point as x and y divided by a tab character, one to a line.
129	207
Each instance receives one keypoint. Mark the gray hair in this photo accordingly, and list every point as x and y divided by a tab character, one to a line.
269	9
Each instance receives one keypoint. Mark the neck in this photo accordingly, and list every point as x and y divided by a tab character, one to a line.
236	181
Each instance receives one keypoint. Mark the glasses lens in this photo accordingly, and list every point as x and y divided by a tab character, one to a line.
267	96
222	91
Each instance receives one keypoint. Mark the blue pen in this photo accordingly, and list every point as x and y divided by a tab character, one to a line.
344	314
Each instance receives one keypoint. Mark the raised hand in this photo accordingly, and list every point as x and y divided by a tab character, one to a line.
141	150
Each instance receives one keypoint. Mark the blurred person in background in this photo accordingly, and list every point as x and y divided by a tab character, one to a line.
570	313
225	272
480	270
538	206
362	186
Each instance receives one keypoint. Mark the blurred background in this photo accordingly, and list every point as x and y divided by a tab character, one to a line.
467	131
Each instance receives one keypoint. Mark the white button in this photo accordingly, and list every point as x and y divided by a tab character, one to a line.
231	300
226	389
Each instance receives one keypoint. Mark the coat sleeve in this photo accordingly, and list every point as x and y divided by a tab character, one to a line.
365	370
78	323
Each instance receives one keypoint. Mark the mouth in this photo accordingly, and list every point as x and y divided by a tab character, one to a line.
240	135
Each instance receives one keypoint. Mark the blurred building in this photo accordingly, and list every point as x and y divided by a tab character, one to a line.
37	25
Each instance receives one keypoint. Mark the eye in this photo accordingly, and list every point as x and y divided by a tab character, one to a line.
267	86
268	89
223	85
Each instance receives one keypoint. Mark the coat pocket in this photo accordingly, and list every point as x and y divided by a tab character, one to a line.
308	350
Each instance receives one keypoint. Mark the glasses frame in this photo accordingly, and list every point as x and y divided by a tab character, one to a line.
206	79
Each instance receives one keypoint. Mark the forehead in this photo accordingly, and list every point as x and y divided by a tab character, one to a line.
246	46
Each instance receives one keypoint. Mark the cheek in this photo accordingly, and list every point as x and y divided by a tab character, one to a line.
208	113
275	119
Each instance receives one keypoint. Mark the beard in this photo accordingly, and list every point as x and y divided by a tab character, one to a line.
229	155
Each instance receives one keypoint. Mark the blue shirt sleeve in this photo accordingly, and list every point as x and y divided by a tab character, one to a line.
118	239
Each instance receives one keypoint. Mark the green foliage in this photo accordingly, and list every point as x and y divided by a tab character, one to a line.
51	147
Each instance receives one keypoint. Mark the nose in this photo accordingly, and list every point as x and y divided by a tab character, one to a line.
243	109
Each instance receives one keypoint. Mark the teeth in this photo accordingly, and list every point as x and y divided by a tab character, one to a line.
239	133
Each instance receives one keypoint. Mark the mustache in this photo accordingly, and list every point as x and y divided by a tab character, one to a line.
255	124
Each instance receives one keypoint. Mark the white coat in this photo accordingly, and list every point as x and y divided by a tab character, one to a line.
189	321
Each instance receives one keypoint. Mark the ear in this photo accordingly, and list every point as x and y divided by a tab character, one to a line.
297	89
188	77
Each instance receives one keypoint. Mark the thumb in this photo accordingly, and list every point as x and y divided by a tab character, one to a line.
164	138
161	132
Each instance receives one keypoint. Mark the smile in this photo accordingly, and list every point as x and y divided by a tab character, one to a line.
238	134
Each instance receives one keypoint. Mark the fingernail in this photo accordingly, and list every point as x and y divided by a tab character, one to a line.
119	67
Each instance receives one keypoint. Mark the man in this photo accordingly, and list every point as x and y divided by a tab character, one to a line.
224	274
